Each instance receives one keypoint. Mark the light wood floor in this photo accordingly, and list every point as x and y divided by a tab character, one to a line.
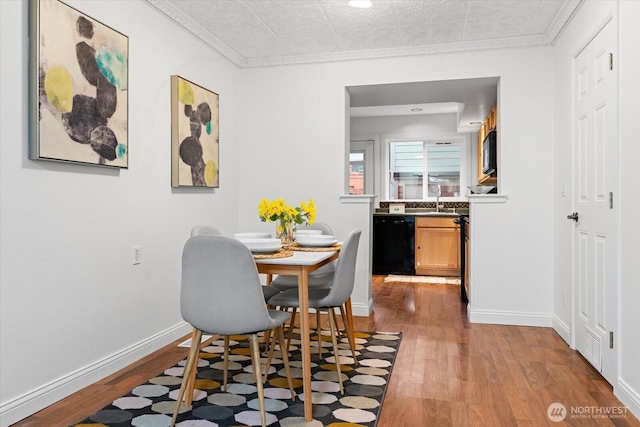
448	372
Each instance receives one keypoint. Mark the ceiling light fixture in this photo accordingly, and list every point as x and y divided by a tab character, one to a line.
416	110
475	123
363	4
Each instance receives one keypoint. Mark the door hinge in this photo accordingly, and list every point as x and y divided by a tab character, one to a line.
611	61
610	339
610	199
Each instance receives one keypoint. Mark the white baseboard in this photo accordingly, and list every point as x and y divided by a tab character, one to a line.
562	329
628	396
363	310
510	318
29	403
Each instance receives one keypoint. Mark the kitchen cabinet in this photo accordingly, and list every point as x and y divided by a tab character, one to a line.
437	242
489	124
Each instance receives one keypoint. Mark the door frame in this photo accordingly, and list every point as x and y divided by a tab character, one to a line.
609	19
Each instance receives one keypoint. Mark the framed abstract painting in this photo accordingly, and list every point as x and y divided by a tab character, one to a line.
194	135
78	87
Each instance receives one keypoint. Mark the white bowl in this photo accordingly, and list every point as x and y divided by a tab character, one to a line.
256	235
316	240
262	245
306	233
481	189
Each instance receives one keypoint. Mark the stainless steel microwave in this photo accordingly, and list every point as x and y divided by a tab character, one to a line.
490	154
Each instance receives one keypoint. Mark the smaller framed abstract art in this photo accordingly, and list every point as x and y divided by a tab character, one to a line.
194	135
78	87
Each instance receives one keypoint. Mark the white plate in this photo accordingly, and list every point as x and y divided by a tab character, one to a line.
256	235
306	232
262	245
318	244
265	250
316	240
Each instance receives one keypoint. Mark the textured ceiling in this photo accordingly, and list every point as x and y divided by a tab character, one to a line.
255	33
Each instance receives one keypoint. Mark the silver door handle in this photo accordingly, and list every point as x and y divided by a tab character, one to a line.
573	216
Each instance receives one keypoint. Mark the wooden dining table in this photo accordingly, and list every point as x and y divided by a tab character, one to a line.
300	264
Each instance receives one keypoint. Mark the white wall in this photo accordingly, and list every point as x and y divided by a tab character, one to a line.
628	388
73	307
297	113
69	291
626	15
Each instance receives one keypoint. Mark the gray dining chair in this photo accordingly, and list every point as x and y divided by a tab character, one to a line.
321	278
204	229
220	294
328	299
267	292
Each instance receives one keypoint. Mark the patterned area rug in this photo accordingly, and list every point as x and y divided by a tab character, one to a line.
365	383
424	279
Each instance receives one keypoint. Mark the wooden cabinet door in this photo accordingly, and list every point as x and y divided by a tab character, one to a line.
437	251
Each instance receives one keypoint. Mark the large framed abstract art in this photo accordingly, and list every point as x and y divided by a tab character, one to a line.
194	135
78	87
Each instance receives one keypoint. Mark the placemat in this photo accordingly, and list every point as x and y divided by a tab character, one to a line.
296	247
280	253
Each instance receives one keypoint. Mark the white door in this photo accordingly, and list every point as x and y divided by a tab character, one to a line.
596	188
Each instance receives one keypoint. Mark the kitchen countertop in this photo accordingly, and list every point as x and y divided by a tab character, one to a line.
422	212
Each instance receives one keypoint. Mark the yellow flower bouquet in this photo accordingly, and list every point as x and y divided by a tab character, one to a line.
288	217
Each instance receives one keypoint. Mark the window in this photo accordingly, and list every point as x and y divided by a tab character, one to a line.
410	161
361	167
443	165
356	172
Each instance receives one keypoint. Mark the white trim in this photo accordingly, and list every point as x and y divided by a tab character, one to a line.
499	317
362	310
487	198
31	402
628	396
357	198
562	329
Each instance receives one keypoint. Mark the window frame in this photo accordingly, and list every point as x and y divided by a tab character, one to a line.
460	141
365	146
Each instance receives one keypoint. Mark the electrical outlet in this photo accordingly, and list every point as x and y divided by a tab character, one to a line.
137	255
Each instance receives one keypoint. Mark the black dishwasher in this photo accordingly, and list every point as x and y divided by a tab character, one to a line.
393	244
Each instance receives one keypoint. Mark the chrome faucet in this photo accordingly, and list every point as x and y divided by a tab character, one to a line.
438	194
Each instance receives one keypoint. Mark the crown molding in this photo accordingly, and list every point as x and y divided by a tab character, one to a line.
569	8
168	8
532	41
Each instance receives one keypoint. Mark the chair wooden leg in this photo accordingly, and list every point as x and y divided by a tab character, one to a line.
291	325
349	332
332	323
271	348
319	333
266	338
349	320
225	363
285	358
191	362
191	384
255	352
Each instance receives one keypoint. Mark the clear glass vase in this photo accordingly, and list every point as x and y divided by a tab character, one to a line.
284	231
